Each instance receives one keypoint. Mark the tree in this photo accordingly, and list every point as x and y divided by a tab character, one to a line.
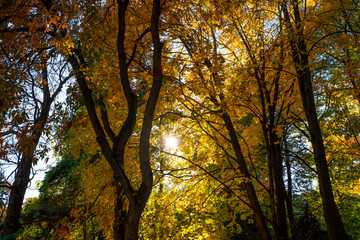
300	56
126	225
31	123
34	75
208	67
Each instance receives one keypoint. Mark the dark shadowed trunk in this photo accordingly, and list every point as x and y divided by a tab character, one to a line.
248	185
127	220
260	219
334	224
274	155
18	189
277	163
289	199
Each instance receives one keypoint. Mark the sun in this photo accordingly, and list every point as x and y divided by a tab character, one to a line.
171	142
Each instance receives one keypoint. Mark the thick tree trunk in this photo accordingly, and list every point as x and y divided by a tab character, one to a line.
18	189
334	224
126	224
278	193
119	212
133	221
276	158
127	220
248	185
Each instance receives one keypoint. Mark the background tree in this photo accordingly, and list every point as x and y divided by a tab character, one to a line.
24	127
300	56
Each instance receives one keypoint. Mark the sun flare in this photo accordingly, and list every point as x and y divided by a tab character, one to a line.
171	142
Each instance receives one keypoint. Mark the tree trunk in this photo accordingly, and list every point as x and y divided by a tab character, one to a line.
276	158
268	117
84	230
133	221
289	201
249	187
126	224
119	212
274	151
334	224
18	189
127	219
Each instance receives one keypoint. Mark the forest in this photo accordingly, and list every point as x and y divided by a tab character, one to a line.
180	119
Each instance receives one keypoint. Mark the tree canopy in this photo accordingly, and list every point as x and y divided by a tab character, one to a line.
200	119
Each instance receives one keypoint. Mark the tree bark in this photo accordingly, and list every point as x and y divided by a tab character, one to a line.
18	189
276	158
260	219
334	224
119	212
248	185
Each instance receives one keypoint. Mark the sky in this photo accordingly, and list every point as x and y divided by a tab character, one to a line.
36	176
39	170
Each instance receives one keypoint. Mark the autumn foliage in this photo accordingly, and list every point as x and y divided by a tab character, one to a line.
261	97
